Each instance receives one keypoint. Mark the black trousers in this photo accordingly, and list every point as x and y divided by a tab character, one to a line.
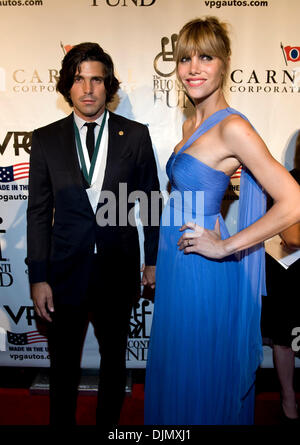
108	306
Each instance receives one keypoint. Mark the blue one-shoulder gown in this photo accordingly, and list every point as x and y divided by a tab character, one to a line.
205	342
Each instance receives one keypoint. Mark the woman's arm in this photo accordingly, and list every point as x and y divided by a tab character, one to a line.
291	236
244	144
249	148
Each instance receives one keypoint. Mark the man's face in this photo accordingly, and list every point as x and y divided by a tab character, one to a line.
88	92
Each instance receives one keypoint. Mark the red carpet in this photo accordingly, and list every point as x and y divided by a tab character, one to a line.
19	407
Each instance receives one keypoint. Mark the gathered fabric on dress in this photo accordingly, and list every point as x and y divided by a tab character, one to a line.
205	343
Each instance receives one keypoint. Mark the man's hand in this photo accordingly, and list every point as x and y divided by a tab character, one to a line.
41	294
148	278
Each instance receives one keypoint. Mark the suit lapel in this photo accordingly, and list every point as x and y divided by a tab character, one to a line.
68	146
114	150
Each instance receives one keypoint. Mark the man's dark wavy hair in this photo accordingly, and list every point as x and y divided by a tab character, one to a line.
82	53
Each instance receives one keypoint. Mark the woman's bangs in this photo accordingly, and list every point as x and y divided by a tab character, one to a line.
197	42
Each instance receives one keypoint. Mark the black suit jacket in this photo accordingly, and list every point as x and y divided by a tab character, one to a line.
61	225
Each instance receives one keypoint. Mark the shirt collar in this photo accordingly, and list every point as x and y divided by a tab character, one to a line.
80	122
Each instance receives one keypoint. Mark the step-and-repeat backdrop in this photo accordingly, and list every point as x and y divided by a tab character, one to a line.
140	35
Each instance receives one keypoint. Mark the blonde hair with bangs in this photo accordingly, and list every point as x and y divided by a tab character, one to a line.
206	36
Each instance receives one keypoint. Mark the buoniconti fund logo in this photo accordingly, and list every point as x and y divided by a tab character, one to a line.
123	3
166	88
138	338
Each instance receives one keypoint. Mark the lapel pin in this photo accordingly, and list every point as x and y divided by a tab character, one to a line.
121	132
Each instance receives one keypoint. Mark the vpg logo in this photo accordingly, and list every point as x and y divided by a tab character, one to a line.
6	278
169	91
18	140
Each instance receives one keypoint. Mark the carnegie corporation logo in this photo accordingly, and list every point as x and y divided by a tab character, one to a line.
269	80
290	53
36	80
283	80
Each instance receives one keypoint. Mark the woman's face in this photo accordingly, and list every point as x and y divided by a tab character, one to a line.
201	75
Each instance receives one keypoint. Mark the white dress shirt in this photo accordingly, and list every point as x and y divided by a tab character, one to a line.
98	175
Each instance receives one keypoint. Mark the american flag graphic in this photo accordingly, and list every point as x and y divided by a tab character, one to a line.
237	174
14	172
25	338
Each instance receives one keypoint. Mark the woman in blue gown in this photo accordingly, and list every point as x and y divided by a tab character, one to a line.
205	343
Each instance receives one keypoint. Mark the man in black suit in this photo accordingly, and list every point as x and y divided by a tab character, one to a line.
80	267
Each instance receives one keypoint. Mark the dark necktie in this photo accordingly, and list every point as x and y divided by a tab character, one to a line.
90	138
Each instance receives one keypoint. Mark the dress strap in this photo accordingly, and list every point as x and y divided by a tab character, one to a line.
210	122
